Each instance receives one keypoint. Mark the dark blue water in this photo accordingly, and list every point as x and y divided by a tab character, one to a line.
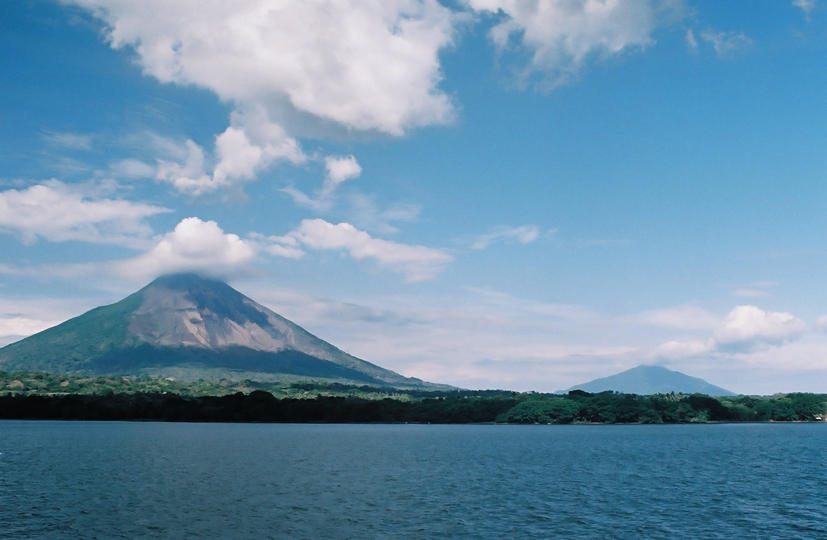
132	480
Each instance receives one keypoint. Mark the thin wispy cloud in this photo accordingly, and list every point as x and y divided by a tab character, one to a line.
339	169
68	140
726	44
523	234
806	6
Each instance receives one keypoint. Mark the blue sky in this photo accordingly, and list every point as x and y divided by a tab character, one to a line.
487	193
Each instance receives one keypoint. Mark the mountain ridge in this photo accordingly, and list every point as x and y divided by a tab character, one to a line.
195	327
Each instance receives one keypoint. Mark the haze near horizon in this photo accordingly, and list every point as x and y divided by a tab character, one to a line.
486	194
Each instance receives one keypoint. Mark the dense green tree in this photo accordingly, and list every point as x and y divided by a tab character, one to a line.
546	411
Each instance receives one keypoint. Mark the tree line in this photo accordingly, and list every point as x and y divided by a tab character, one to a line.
465	407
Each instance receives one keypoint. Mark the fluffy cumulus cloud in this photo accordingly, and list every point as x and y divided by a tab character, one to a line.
524	234
747	326
251	143
193	246
745	329
59	212
560	35
415	262
371	65
340	169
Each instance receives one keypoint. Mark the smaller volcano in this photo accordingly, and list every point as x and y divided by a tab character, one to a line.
647	380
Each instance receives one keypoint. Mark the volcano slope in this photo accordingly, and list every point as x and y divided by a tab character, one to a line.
191	327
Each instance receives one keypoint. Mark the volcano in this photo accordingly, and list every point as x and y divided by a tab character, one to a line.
191	327
647	380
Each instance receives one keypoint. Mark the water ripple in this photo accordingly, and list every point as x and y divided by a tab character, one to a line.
155	480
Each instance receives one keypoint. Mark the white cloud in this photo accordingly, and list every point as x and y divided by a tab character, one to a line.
806	6
560	35
280	246
821	323
417	263
193	246
524	234
251	143
371	65
342	168
726	43
746	329
187	176
749	325
288	252
58	212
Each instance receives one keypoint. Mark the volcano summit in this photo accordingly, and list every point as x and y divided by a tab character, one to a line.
191	327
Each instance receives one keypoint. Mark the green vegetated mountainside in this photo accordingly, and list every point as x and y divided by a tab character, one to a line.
648	380
189	327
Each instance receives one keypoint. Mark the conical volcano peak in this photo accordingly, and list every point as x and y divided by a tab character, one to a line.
187	281
191	310
191	326
190	291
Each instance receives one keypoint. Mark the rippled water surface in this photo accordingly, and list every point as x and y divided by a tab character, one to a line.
131	480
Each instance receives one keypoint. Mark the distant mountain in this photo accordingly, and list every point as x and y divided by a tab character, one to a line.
191	327
646	380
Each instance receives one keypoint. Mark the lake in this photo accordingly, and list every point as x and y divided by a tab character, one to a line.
177	480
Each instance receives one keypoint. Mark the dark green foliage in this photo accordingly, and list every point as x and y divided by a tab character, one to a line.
94	333
42	395
610	407
257	406
231	358
549	411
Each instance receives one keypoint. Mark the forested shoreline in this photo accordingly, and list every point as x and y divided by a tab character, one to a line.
345	404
